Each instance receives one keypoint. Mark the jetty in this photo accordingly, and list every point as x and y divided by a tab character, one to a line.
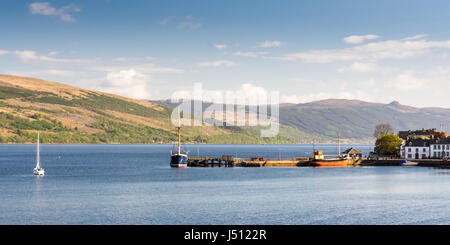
228	161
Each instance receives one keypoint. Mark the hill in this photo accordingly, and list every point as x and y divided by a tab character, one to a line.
67	114
354	120
357	119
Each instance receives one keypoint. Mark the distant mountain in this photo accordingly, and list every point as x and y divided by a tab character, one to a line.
67	114
357	119
354	120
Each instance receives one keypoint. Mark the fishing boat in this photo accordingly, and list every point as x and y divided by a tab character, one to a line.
178	159
38	170
318	159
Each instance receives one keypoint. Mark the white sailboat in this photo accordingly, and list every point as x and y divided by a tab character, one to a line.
38	170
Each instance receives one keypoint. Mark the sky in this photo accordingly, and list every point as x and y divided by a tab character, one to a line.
377	51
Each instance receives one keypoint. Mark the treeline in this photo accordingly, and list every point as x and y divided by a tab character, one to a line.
23	130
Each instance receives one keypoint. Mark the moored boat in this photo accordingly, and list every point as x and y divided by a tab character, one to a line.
319	160
179	159
408	163
38	170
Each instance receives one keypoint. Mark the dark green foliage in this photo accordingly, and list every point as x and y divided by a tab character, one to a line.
388	145
100	103
116	132
16	123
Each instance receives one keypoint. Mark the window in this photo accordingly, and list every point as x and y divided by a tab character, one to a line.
409	156
434	147
417	150
409	149
424	149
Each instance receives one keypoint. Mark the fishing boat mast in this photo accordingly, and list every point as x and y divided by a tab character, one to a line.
339	144
179	131
179	139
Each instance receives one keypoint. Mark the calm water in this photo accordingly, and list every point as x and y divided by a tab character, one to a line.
133	184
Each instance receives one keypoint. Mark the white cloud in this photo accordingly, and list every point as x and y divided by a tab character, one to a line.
32	56
359	67
152	68
420	36
371	52
247	93
44	8
406	82
27	55
3	52
269	44
146	68
359	39
184	22
53	53
253	90
247	54
220	46
121	59
166	20
51	72
128	83
62	73
216	63
305	98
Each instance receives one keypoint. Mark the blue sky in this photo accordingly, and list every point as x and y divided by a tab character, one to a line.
376	51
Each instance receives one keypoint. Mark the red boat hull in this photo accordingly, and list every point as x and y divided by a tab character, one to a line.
329	163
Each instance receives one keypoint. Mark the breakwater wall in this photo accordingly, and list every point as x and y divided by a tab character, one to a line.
303	162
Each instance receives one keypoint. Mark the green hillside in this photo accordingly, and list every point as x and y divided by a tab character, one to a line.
66	114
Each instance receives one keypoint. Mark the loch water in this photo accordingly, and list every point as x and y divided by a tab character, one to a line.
133	184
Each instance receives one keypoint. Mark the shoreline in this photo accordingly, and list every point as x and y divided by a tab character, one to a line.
33	143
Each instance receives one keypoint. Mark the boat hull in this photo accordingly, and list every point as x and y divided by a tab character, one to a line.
178	160
40	172
408	163
330	163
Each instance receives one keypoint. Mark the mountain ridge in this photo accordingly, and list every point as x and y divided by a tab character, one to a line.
68	114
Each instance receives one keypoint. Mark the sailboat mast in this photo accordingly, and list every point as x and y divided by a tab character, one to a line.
179	140
37	164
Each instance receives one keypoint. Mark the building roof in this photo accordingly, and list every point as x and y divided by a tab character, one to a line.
426	142
445	141
417	143
415	133
353	151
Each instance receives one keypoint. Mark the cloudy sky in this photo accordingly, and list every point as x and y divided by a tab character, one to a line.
377	51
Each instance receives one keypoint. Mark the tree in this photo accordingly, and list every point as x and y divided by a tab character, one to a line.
382	129
388	145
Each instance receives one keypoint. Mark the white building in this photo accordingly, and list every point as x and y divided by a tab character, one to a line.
424	149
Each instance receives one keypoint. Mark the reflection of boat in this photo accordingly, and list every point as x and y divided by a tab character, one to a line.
179	159
319	160
408	163
38	170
